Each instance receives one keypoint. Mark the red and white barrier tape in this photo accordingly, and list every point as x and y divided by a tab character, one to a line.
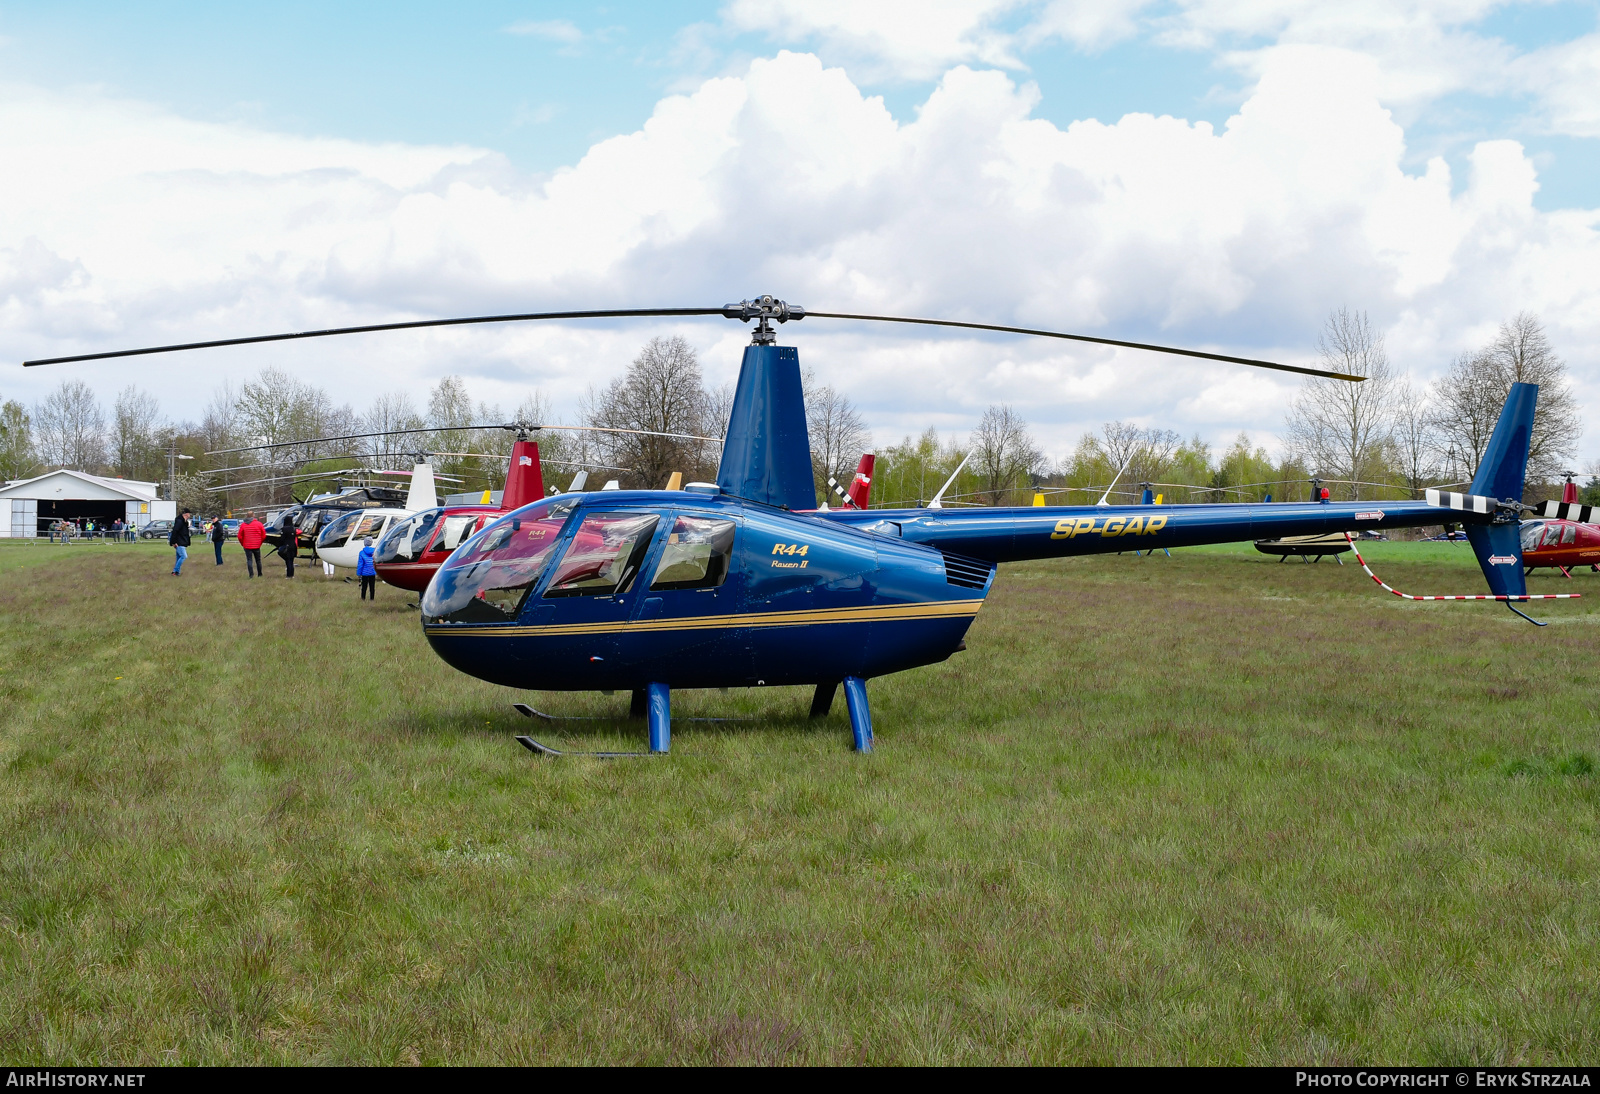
1408	596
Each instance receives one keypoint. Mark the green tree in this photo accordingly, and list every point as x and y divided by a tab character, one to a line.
17	460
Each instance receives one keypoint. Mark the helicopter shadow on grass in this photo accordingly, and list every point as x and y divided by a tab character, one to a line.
584	720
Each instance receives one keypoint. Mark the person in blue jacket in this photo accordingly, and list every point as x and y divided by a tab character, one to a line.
367	570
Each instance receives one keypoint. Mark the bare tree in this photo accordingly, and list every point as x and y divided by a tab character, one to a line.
1339	428
219	428
71	428
1003	452
838	434
276	408
136	430
662	393
1140	455
393	411
1412	439
1468	399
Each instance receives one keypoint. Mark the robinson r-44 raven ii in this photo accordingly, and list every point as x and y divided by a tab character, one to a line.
744	582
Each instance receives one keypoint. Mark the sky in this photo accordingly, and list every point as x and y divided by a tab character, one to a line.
1200	173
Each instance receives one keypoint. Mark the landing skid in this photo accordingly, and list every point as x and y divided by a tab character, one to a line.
545	750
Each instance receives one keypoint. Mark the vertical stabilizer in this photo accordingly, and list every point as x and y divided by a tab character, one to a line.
423	494
524	478
1500	476
1505	461
861	485
767	454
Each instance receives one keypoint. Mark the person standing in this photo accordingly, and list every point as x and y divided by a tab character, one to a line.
252	533
219	536
367	570
178	540
289	545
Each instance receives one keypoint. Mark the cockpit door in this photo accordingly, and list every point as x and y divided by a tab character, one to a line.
688	599
594	586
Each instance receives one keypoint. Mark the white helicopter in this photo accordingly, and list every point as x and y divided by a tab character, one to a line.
340	543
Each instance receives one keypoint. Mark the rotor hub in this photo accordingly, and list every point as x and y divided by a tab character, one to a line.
765	310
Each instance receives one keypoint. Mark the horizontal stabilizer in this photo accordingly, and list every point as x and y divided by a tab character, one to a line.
1560	510
1465	503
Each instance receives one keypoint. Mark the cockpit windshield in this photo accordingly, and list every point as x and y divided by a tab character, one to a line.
489	577
1531	534
406	540
338	533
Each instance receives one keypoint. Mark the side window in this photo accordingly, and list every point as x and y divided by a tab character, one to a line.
1530	536
696	554
1552	535
370	525
604	555
1569	534
456	529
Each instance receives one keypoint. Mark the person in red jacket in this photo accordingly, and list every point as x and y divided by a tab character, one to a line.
252	533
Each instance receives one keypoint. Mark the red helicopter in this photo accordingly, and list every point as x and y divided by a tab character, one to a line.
1568	538
412	551
855	496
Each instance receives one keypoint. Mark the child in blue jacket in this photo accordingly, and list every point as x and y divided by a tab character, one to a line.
367	570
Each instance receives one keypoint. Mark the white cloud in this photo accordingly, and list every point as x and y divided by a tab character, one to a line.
1423	49
551	30
886	39
1566	79
121	225
1089	24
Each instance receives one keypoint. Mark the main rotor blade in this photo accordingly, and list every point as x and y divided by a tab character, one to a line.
321	440
728	311
542	459
1087	338
416	324
457	429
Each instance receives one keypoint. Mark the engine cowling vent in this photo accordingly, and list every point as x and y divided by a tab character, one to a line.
968	573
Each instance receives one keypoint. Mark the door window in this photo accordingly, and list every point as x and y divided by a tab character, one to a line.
604	555
1530	536
696	554
489	578
371	525
456	529
1569	534
1552	535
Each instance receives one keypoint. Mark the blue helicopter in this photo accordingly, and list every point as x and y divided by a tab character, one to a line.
742	582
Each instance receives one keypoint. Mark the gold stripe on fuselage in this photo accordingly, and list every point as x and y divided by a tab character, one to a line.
873	613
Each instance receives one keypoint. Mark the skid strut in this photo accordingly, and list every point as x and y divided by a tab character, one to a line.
1506	600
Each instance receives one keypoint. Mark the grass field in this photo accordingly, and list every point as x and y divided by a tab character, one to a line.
1207	808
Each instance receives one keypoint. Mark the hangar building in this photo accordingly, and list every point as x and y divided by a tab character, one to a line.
29	506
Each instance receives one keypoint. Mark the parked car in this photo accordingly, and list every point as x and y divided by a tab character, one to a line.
232	526
156	529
